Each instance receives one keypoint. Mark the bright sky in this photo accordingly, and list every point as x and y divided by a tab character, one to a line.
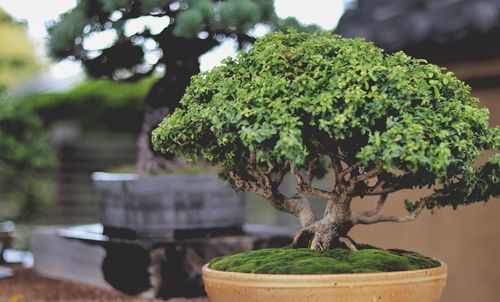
325	13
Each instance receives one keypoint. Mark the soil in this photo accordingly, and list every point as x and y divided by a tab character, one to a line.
26	286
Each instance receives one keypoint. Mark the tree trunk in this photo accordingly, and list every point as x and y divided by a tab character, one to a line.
333	227
161	101
180	57
331	231
147	161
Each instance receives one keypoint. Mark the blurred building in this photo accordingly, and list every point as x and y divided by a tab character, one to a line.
463	36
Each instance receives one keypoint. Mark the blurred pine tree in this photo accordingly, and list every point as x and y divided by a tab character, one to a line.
190	29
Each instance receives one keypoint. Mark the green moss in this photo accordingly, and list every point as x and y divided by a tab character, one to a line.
337	261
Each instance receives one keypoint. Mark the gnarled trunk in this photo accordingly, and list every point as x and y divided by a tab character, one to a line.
331	231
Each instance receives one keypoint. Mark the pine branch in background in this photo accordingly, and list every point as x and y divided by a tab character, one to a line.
188	30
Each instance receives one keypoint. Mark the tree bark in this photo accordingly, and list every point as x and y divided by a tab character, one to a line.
331	231
305	213
335	224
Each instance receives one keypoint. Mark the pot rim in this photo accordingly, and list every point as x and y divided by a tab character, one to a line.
315	280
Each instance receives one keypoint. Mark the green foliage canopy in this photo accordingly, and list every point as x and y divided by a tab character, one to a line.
295	97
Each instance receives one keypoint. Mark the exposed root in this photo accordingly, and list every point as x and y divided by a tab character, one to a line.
304	237
320	245
349	243
322	237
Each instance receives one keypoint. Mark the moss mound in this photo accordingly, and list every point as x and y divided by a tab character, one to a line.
337	261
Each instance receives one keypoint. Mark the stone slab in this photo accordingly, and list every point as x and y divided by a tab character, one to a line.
152	270
72	260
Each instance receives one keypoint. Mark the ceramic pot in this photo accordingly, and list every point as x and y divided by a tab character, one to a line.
424	285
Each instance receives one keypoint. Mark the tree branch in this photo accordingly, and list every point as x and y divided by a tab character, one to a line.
365	176
305	188
337	167
377	207
299	206
263	180
309	173
379	189
285	168
348	242
359	218
249	186
348	170
383	218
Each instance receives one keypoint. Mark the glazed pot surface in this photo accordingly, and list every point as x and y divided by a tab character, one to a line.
424	285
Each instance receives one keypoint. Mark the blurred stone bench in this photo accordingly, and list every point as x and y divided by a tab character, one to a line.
147	268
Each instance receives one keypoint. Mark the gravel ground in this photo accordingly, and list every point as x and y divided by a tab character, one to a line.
26	286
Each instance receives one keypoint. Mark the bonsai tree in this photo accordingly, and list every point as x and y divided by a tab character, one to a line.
309	103
185	30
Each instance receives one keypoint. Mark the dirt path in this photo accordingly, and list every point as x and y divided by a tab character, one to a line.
26	286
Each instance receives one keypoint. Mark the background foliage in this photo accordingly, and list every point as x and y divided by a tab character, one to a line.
24	158
24	151
95	105
17	55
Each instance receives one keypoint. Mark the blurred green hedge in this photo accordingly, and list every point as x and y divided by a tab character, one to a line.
96	106
25	158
